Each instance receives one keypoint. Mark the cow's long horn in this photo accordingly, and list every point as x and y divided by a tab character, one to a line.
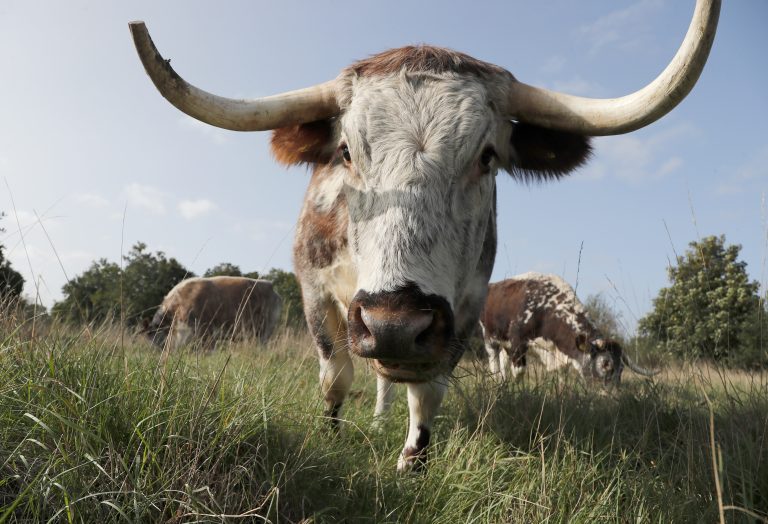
294	107
640	370
613	116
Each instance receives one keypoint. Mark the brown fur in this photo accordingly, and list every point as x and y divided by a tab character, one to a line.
321	234
303	144
220	307
504	318
424	59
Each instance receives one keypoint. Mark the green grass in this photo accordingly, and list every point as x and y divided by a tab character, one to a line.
95	429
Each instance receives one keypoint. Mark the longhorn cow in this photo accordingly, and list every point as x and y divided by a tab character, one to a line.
397	236
541	314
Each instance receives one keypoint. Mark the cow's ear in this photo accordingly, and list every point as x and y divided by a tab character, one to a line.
539	153
613	347
310	143
581	342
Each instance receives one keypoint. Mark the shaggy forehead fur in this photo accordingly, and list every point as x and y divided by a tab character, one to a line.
418	213
424	59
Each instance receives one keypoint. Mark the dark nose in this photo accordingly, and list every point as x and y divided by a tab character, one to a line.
402	325
605	367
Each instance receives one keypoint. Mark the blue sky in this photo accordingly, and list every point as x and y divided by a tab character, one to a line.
89	147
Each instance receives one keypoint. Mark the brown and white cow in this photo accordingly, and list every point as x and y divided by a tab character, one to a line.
215	308
541	314
397	236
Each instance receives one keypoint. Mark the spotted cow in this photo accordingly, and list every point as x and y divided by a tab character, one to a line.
541	314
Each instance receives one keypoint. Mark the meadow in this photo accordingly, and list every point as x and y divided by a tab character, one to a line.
98	426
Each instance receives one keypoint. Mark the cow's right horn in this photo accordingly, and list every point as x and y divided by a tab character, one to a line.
293	107
613	116
637	368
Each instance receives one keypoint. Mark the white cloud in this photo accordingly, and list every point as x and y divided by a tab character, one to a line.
191	209
623	27
635	158
145	197
218	135
91	199
754	169
579	86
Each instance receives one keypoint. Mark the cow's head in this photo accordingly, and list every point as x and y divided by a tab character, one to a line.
603	363
419	134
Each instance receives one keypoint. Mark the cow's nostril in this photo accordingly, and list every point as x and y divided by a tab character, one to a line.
359	316
428	322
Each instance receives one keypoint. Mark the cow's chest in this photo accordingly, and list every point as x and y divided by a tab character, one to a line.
339	279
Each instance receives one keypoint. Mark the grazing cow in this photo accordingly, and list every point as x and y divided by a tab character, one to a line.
542	314
397	236
215	308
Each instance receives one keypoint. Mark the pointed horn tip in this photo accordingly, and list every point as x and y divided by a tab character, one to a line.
137	26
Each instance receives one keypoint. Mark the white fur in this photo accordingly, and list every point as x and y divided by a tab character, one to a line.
567	309
181	333
551	357
385	396
412	189
423	403
336	375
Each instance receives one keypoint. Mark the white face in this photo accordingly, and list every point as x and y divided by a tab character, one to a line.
423	153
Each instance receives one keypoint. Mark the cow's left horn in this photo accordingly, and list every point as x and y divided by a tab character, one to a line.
304	105
614	116
638	369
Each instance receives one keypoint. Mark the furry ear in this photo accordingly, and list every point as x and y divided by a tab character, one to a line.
613	347
309	143
539	153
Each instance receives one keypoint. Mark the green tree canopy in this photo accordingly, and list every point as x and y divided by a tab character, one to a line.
103	291
224	269
147	278
603	316
287	286
11	281
709	301
93	295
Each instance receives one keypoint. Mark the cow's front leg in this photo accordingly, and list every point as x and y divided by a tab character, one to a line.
424	400
385	395
336	370
336	374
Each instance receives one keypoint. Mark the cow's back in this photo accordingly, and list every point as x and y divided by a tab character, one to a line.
223	305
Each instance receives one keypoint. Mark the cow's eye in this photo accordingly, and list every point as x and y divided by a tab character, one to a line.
345	153
487	157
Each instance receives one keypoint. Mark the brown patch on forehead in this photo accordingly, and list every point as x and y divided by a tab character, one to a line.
424	59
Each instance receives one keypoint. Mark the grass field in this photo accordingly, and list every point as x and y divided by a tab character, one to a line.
97	427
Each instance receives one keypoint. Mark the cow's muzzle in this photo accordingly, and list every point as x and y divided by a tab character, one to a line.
401	327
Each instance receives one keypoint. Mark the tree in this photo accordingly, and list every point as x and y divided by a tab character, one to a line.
704	311
11	281
224	269
287	286
92	296
147	278
603	316
104	290
754	338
